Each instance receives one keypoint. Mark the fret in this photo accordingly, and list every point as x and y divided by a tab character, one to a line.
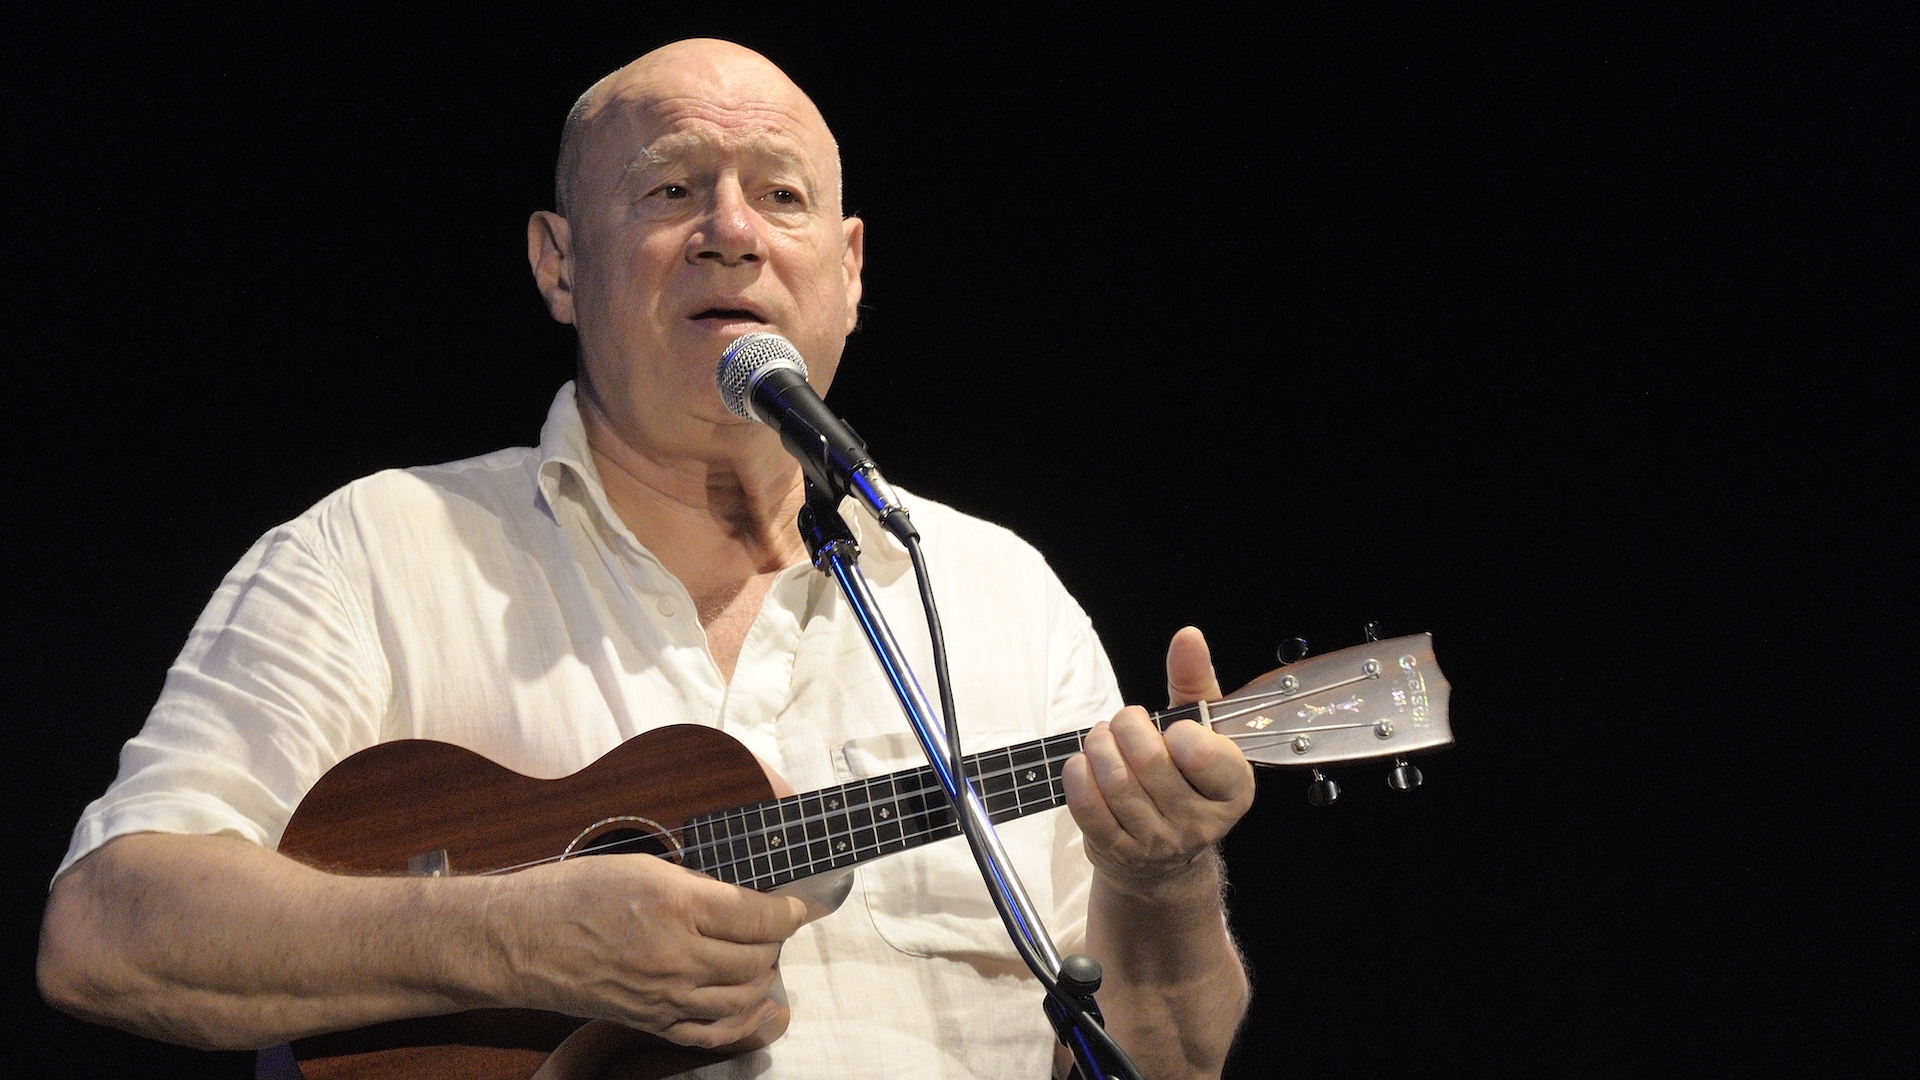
999	779
1165	720
726	838
813	817
694	852
1059	749
1029	762
778	815
888	826
712	852
740	845
859	818
721	852
840	846
703	848
886	815
794	838
781	840
755	823
1032	782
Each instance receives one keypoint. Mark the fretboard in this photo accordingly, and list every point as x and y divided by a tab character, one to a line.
769	844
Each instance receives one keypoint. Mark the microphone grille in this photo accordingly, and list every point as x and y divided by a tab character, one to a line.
745	361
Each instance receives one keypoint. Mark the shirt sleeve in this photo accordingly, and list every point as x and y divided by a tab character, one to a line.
279	680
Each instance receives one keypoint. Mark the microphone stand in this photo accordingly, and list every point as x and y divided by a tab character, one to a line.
1069	1005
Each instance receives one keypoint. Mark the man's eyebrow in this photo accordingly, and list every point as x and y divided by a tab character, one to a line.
645	159
668	148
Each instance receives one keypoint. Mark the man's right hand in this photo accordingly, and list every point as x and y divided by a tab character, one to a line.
218	943
642	942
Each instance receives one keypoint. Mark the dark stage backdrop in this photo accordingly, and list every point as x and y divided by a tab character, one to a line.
1571	339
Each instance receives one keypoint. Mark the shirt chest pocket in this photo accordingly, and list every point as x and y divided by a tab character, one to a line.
929	900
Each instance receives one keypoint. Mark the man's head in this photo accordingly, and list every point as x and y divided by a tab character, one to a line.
699	199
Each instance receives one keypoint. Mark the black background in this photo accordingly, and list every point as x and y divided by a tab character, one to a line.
1571	338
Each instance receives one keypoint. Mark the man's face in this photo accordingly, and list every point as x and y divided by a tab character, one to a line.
705	206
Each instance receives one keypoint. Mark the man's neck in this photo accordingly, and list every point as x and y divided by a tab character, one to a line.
719	517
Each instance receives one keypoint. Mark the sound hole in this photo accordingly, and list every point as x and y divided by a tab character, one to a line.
624	842
625	835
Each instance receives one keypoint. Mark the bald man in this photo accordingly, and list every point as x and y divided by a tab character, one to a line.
640	567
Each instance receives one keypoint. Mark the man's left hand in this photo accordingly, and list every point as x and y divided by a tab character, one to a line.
1151	805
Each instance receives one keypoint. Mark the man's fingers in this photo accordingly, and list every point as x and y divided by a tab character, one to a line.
712	962
720	1002
1089	806
1190	675
712	1033
1122	786
1147	758
1150	803
1211	764
1164	793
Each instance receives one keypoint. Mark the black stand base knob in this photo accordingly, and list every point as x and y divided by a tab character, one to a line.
1080	975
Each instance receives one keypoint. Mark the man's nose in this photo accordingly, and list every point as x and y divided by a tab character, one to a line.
731	234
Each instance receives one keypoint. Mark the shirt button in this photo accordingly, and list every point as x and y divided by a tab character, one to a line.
666	606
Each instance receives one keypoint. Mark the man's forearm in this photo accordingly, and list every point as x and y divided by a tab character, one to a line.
1174	990
218	943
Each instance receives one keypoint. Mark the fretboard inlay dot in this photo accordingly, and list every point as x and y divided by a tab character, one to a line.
784	840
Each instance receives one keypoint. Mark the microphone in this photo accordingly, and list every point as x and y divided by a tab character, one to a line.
762	377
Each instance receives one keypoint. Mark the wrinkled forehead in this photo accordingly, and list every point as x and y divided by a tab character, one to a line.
636	129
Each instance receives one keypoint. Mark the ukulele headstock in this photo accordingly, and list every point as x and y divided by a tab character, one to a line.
1382	699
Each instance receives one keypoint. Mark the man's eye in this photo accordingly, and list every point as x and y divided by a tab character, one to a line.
672	191
784	196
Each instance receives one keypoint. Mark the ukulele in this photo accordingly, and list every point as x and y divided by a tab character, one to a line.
415	806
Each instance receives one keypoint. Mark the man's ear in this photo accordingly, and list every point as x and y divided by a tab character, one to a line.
854	232
550	253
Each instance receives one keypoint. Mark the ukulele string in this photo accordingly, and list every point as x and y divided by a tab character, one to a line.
928	785
1237	707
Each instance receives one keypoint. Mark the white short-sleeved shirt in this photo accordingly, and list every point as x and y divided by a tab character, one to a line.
498	603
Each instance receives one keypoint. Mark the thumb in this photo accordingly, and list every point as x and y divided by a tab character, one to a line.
1190	675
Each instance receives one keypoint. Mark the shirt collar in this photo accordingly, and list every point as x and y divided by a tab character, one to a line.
563	451
882	557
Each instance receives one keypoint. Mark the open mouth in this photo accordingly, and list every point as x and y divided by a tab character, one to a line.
727	315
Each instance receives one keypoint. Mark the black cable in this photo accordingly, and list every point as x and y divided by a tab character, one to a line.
1076	1013
956	763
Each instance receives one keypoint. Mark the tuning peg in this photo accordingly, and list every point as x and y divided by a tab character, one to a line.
1403	777
1372	630
1291	650
1322	791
